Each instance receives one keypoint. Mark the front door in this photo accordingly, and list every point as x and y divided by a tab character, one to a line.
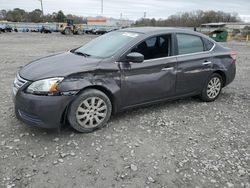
153	79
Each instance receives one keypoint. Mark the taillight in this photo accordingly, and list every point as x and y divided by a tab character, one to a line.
233	56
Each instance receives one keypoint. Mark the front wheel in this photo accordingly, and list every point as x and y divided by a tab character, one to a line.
91	110
67	31
212	88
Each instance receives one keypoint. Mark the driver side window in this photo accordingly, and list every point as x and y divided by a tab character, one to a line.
154	47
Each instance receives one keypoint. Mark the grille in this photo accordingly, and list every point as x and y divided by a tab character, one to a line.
18	83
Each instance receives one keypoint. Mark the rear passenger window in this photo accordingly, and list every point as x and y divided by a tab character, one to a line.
189	44
209	45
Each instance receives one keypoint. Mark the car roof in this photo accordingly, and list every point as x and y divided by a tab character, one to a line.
151	30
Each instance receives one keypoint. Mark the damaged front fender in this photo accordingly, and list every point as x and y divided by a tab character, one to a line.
108	81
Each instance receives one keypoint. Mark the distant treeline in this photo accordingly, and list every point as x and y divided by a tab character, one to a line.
187	19
20	15
190	19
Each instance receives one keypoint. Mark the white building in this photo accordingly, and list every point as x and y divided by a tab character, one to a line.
108	22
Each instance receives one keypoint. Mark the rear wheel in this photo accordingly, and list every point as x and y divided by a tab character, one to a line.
212	88
89	111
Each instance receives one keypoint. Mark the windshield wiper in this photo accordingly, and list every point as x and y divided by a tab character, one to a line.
81	53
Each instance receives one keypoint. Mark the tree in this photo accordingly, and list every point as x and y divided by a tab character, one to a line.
60	17
3	14
190	19
17	15
36	16
76	19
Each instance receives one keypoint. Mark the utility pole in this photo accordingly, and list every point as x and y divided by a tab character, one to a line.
102	7
41	6
121	22
145	14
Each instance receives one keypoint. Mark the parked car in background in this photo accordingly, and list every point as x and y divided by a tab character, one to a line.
118	71
110	30
45	30
99	31
35	30
8	28
89	30
5	28
15	29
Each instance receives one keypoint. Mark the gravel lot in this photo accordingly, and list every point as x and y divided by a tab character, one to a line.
184	143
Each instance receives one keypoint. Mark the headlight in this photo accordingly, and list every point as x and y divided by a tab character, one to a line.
45	86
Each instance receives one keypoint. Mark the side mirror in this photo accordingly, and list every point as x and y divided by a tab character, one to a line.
135	57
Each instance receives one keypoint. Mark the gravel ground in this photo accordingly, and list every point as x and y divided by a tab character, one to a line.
184	143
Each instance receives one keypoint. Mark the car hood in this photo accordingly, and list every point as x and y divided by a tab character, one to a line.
59	65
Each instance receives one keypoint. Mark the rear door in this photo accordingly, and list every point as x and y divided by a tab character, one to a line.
194	64
152	79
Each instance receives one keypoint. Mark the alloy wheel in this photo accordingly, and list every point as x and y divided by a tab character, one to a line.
213	87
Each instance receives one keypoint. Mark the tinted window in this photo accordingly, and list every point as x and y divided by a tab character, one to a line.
189	44
154	47
151	42
208	44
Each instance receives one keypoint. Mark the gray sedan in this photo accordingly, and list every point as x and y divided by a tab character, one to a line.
118	71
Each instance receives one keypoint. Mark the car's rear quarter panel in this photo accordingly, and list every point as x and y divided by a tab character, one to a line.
222	61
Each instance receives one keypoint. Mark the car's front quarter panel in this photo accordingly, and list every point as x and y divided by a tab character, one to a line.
105	77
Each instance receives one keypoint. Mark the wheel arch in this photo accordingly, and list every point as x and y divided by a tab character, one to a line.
223	76
106	91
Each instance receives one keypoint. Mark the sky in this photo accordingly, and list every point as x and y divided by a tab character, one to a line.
131	9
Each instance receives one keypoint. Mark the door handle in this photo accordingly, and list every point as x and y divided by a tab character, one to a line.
167	68
206	63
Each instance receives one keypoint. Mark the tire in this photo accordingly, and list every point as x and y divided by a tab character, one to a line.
90	111
212	88
67	31
79	32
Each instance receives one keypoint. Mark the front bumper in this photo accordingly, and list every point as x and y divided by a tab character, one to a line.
41	111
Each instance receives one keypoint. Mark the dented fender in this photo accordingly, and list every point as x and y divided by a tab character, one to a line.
106	80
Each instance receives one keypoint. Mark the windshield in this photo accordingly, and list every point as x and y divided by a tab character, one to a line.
107	45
